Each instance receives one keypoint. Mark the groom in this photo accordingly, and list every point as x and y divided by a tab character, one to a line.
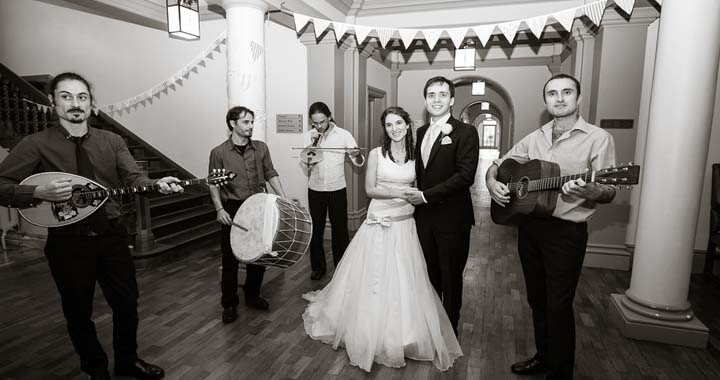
448	157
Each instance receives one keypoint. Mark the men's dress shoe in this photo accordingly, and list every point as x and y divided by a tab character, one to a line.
530	366
257	302
229	315
100	376
141	371
317	274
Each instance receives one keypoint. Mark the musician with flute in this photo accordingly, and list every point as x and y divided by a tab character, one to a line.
95	248
250	161
552	248
324	163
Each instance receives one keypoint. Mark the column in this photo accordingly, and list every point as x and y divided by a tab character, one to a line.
583	66
246	58
656	306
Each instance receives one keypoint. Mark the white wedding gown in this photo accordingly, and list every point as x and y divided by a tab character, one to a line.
380	304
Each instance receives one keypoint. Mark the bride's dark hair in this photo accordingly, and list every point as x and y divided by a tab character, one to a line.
409	147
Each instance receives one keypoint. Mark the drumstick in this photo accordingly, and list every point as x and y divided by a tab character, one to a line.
239	226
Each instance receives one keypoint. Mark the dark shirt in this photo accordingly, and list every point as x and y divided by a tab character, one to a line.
52	151
253	167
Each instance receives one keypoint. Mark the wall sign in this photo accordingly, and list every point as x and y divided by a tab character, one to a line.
289	123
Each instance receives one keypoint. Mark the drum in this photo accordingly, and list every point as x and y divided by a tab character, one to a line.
269	230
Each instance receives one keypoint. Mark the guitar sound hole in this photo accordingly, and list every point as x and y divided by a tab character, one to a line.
77	198
522	187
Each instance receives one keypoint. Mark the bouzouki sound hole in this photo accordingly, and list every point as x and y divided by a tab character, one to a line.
77	198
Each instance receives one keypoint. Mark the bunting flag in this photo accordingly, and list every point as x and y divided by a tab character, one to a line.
384	35
339	28
256	50
361	33
595	10
483	33
300	21
432	36
566	18
320	26
457	35
537	25
407	36
626	5
509	29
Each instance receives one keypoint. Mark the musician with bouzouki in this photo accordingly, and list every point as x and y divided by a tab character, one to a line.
549	184
66	174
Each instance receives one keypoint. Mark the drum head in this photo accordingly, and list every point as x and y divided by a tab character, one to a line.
259	215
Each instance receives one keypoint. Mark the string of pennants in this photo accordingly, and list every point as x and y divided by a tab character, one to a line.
159	89
593	10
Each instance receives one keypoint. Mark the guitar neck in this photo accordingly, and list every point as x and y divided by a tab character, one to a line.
552	183
118	191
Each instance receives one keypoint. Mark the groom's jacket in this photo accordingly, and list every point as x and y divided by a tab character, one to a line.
446	179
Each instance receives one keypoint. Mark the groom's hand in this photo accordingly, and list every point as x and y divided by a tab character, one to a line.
415	197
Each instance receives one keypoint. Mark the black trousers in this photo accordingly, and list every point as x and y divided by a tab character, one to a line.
230	264
322	202
76	263
552	253
446	254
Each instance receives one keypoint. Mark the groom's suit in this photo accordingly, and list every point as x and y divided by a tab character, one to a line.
444	222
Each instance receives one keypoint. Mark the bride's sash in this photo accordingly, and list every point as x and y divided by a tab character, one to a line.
394	210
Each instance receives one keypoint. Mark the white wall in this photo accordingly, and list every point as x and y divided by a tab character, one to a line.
122	60
378	76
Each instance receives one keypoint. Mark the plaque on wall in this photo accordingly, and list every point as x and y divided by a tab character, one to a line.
289	123
616	123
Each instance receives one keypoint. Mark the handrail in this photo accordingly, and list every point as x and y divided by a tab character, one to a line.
30	90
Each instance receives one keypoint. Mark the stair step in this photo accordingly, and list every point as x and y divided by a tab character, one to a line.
164	199
190	234
175	216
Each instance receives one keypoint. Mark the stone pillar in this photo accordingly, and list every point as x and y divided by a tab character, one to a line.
246	58
656	306
395	72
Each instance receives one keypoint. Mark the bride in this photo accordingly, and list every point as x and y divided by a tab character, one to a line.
380	304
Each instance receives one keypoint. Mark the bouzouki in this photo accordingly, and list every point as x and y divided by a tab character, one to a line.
88	196
533	187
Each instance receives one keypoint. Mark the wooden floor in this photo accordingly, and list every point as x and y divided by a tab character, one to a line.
180	326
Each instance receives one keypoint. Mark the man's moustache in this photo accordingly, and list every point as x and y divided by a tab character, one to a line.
76	110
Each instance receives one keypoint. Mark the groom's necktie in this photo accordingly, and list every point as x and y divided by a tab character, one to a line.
428	141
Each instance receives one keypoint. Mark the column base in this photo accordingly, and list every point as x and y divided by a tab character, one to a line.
692	333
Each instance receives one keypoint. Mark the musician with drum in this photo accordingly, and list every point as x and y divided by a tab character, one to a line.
250	161
324	162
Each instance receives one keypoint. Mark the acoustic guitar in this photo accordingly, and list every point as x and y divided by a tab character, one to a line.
533	187
88	195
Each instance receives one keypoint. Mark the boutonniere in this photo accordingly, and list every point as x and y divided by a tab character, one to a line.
446	130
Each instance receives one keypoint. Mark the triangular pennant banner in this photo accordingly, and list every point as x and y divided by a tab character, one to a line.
509	29
432	36
407	36
483	33
457	35
300	21
566	18
384	35
626	5
361	33
595	11
340	29
537	25
320	26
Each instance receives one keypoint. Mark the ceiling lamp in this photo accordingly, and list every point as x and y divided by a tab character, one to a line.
183	19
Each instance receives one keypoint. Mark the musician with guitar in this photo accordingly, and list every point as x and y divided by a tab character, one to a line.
552	247
250	160
94	248
324	162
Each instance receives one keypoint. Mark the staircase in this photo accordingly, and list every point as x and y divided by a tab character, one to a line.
157	223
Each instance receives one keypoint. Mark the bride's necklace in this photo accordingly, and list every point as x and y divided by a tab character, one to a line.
398	155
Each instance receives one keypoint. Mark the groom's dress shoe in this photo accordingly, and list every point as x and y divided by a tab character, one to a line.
530	366
141	370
